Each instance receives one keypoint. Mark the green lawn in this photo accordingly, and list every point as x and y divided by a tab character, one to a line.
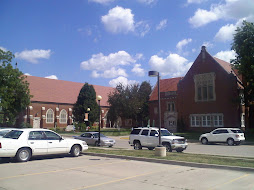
186	157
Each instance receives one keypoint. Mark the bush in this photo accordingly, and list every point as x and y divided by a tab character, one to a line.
25	125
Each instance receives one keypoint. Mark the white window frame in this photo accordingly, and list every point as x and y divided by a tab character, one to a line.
202	84
47	118
63	116
207	120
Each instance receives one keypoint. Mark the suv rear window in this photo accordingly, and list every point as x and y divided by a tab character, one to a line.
236	131
135	131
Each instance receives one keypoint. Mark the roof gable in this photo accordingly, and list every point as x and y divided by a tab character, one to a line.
59	91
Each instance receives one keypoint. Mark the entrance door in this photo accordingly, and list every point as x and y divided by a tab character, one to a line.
36	122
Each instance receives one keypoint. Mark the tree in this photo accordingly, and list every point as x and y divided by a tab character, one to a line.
130	102
86	99
243	45
14	89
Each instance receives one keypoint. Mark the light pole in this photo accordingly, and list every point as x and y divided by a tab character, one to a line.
88	110
157	74
99	98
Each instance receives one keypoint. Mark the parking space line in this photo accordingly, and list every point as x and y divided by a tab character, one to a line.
118	180
55	171
230	181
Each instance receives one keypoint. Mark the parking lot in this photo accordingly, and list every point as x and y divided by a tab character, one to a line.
91	172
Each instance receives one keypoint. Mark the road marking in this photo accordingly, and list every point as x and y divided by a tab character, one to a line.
230	181
55	171
118	180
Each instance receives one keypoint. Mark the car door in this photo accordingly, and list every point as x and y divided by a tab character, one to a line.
223	135
56	144
144	137
38	142
153	139
88	137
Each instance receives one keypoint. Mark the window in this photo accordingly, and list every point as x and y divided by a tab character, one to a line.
171	106
52	136
155	110
135	131
36	135
153	133
206	120
63	116
50	116
145	132
205	87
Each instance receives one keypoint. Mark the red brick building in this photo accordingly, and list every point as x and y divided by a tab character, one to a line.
207	97
53	100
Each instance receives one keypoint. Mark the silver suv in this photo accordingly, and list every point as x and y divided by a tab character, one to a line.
149	138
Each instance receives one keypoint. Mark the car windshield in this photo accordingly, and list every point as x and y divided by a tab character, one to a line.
236	131
14	134
165	133
3	132
96	135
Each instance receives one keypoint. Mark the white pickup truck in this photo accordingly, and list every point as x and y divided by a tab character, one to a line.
149	137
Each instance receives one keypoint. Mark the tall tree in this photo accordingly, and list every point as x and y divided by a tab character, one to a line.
14	89
86	99
243	45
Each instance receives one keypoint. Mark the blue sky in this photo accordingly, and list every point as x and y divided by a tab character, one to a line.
105	42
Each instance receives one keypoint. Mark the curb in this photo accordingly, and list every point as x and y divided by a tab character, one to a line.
172	162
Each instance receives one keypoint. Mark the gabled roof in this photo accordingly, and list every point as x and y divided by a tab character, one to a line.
166	85
59	91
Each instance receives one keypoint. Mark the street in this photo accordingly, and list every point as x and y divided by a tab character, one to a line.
198	148
91	172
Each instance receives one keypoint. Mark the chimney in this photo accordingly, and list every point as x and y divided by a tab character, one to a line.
203	51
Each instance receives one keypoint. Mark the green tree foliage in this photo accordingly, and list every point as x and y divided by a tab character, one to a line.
130	102
14	89
243	45
86	99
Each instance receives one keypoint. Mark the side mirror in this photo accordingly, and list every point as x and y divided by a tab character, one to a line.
156	135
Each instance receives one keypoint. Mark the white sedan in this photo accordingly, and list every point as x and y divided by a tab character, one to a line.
25	143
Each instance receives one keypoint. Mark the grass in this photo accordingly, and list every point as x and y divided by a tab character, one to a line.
186	157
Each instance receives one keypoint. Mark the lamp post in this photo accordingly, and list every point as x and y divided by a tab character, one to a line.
157	74
99	98
88	110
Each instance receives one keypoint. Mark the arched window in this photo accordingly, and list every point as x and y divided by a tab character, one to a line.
63	116
50	116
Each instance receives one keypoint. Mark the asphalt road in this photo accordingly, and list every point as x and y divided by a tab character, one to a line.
198	148
100	173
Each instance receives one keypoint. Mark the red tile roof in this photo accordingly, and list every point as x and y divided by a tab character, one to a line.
59	91
166	85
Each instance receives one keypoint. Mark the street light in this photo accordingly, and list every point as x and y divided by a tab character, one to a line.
157	74
99	98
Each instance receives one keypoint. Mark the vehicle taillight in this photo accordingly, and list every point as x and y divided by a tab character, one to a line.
0	145
237	136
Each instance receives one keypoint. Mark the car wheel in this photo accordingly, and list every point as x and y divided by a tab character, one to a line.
230	142
168	147
75	150
179	150
204	141
137	145
23	155
150	148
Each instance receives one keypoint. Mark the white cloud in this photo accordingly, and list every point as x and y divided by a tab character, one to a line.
226	55
195	1
207	44
173	65
119	20
27	74
138	70
33	56
101	62
162	24
110	73
4	49
225	33
148	2
232	9
142	27
183	43
52	77
102	1
123	80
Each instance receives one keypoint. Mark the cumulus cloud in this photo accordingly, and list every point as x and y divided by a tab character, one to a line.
4	49
138	70
173	65
226	55
109	66
232	9
27	74
162	24
148	2
183	43
119	20
52	77
195	1
123	80
33	56
225	33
